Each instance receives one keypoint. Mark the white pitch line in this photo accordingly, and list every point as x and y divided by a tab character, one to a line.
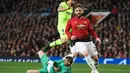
78	69
101	69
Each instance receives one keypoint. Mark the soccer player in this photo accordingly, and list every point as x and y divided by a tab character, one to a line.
65	11
56	66
81	29
64	14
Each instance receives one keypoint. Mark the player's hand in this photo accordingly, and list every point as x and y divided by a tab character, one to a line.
56	69
98	40
73	37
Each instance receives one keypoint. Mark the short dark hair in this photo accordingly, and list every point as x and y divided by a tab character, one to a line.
70	59
65	0
78	5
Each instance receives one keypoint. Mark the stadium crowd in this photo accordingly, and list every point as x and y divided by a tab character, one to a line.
19	34
51	5
115	36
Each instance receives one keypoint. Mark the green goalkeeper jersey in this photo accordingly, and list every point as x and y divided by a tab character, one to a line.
63	68
58	63
64	16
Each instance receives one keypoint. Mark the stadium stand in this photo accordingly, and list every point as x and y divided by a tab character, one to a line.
20	30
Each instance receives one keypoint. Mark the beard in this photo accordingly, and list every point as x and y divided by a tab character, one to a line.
79	14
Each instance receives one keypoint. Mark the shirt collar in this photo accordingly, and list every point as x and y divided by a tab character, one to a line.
79	17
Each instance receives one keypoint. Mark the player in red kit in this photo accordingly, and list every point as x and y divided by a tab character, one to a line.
81	29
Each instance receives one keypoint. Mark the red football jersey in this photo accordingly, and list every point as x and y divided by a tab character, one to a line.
81	27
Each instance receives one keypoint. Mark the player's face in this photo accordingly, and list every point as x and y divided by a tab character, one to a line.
67	63
79	11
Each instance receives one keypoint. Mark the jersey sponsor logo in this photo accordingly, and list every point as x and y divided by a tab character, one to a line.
81	26
75	22
85	22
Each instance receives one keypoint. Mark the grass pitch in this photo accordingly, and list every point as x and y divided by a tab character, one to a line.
15	67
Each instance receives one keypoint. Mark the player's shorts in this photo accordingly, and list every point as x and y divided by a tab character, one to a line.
80	47
62	33
46	63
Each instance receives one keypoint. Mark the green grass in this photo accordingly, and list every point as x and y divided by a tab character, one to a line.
14	67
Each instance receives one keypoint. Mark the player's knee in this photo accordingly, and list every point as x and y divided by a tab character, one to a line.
40	53
95	58
64	40
85	53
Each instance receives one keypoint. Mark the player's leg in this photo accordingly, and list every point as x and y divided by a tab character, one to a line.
43	57
63	39
95	58
55	43
32	71
44	60
93	52
74	52
37	71
82	46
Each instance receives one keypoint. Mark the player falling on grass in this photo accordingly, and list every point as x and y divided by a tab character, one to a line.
81	29
56	66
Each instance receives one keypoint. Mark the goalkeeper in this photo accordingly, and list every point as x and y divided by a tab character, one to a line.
56	66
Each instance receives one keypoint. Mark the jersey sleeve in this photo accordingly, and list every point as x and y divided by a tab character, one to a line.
67	30
58	61
91	31
61	5
52	70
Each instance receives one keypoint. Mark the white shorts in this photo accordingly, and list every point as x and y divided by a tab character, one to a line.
80	47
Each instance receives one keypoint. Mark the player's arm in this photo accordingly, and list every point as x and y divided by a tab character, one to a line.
58	61
55	69
62	8
91	31
55	65
67	29
52	70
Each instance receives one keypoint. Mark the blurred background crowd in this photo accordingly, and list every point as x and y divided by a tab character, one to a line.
51	5
20	33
